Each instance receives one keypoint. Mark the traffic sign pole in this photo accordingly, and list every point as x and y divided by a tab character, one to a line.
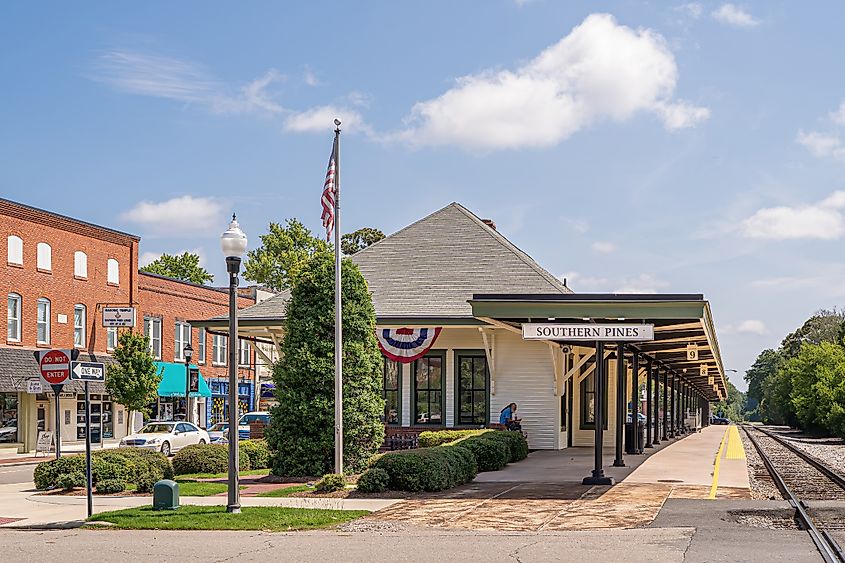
88	477
58	433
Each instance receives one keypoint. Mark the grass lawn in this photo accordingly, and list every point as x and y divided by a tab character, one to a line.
200	488
249	473
286	491
272	518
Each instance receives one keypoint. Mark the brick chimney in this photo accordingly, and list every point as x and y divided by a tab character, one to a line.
489	223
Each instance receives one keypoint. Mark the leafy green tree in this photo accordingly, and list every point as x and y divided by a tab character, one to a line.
764	368
302	429
776	406
351	243
283	253
823	326
133	379
817	374
185	267
733	407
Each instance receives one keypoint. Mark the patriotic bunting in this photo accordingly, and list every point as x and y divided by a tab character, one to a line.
405	345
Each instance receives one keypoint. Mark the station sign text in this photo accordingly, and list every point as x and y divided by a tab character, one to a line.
588	332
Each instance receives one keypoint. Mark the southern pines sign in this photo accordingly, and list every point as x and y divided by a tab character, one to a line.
588	332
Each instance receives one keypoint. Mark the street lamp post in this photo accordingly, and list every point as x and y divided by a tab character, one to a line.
188	352
233	242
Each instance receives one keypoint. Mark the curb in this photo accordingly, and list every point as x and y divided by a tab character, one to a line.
22	463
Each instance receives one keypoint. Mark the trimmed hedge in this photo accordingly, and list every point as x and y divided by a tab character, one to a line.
330	483
517	445
428	469
110	486
206	458
127	465
431	438
373	480
490	455
258	453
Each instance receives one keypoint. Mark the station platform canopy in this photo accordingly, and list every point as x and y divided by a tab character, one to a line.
680	321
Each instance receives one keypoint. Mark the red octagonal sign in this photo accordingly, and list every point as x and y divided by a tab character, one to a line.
55	367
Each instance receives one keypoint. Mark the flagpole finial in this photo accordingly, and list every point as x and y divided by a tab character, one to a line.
337	122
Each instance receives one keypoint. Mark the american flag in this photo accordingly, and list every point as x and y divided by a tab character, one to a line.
329	193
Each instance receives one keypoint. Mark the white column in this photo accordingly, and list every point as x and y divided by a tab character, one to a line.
407	392
449	403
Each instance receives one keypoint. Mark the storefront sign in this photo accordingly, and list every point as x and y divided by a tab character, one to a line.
33	386
118	317
45	442
588	332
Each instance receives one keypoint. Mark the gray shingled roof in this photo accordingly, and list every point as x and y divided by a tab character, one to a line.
18	365
432	267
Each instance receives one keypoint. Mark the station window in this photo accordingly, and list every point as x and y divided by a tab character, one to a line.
588	402
471	394
391	384
428	388
13	318
14	250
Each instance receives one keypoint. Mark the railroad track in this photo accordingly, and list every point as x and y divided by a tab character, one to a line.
800	477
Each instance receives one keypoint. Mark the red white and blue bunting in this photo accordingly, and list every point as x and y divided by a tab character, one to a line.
405	345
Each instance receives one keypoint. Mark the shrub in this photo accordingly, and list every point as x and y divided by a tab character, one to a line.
205	458
373	480
128	465
517	445
427	469
71	480
110	486
258	453
490	455
430	438
330	483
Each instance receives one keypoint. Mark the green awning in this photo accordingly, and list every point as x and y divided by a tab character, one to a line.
173	381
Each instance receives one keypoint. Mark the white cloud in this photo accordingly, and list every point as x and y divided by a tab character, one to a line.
148	258
826	280
185	214
822	144
580	226
644	283
603	247
309	77
692	9
731	14
601	70
321	120
750	326
579	283
822	220
838	116
184	81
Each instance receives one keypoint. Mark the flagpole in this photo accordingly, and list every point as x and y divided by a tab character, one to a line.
338	326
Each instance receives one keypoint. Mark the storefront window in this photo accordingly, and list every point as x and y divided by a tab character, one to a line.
392	377
152	328
428	389
79	326
8	417
472	388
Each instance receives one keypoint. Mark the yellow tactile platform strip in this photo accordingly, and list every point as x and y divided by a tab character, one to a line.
521	508
735	449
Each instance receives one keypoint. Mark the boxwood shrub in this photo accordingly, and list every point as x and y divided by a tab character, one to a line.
427	469
330	483
258	453
71	480
373	480
517	445
111	486
490	455
206	458
431	438
127	465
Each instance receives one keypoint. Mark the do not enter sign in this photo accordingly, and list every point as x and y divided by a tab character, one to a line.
55	366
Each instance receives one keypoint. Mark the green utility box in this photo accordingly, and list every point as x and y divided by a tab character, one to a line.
166	495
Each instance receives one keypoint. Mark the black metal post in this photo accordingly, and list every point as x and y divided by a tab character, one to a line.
635	404
88	477
664	431
656	422
58	433
187	390
598	477
233	265
620	402
672	419
648	409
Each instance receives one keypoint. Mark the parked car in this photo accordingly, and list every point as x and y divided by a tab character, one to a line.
719	420
167	437
9	431
219	433
640	417
254	416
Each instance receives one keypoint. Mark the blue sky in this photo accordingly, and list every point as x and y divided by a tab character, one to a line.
627	146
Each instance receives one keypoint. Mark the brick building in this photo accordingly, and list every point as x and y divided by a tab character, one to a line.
58	273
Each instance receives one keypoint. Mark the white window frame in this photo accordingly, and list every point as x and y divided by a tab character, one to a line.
14	335
43	320
113	268
244	350
111	338
80	264
219	349
14	250
150	324
80	338
181	331
201	336
44	257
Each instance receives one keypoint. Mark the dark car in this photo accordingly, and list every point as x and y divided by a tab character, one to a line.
719	420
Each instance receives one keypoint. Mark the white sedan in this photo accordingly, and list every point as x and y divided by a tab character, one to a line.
166	437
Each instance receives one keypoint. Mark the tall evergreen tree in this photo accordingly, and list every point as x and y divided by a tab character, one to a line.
302	428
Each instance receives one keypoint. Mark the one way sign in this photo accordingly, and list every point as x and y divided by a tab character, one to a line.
88	371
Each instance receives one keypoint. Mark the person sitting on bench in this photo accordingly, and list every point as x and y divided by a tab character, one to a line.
507	416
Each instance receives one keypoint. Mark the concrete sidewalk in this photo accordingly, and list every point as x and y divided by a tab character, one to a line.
74	448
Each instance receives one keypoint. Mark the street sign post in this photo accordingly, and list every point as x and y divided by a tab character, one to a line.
54	366
88	371
118	317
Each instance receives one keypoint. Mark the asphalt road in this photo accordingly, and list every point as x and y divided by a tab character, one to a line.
14	475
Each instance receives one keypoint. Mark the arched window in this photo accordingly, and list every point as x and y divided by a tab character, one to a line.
14	247
80	264
79	326
13	326
44	259
43	321
114	271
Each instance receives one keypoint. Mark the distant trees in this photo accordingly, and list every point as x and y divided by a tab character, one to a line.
185	267
351	243
284	252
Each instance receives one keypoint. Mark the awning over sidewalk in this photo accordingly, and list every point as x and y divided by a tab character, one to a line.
173	381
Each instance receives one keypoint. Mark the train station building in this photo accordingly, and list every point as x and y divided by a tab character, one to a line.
454	302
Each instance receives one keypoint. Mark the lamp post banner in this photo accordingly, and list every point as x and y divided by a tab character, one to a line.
588	332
